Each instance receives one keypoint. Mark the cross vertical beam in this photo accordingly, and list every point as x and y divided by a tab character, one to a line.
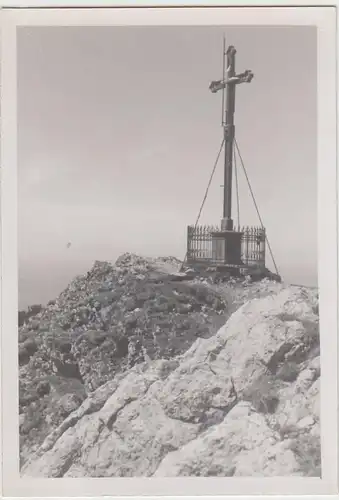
227	223
229	82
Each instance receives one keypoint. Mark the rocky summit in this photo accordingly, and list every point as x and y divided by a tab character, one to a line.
137	369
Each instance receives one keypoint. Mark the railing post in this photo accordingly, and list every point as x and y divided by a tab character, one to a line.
264	247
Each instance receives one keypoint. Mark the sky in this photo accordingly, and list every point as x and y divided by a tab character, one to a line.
118	133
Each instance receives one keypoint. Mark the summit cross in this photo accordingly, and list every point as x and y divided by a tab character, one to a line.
228	83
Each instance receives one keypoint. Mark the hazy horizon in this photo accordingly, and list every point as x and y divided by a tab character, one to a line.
118	133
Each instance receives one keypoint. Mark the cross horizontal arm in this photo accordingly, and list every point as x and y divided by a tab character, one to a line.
245	77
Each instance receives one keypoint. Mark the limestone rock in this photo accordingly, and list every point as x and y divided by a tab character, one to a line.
102	324
200	413
242	445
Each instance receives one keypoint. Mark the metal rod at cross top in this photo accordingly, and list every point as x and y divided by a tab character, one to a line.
228	84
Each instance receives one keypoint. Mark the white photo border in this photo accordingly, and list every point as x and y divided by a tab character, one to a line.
325	20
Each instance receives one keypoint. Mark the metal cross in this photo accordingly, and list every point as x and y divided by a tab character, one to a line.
229	82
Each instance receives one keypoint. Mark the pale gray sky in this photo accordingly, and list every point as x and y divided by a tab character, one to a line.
118	133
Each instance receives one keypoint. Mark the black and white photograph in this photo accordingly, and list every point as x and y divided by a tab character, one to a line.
168	287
